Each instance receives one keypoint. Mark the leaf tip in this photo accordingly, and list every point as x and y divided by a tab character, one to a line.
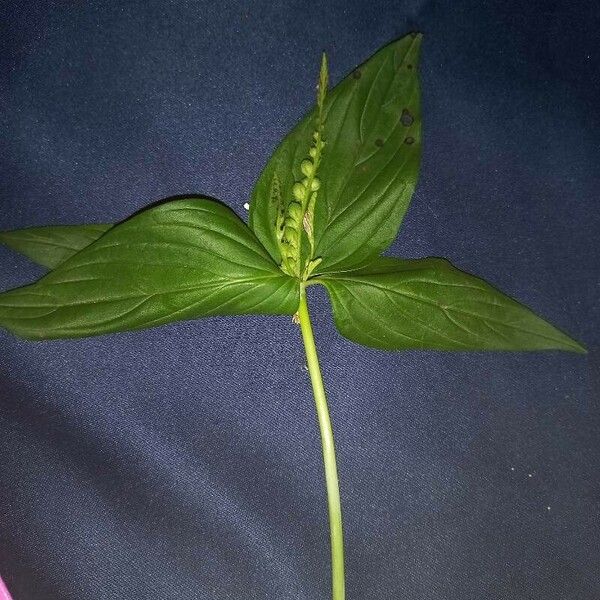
323	80
577	347
567	344
9	239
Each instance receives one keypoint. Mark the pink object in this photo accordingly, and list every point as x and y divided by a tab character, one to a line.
4	593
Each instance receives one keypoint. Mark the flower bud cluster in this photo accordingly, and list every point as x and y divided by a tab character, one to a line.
300	211
298	215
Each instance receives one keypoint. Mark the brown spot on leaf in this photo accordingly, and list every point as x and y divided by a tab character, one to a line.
357	74
409	140
406	118
379	142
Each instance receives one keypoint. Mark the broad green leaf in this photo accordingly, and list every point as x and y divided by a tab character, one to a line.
401	304
181	260
50	246
369	167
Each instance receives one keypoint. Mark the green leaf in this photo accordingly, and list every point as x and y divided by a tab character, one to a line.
369	167
401	304
181	260
50	246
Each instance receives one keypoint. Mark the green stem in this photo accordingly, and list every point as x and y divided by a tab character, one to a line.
331	478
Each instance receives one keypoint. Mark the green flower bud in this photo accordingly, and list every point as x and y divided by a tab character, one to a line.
307	167
290	235
299	191
290	222
295	211
315	185
312	151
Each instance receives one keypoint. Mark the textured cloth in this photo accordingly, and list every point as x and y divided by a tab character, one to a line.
184	462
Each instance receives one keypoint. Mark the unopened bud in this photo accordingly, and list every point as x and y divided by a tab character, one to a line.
290	223
307	167
290	235
295	211
299	191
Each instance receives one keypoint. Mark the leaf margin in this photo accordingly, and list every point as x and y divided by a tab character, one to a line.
386	266
51	245
288	298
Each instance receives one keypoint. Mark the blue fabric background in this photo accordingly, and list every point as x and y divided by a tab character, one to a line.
184	462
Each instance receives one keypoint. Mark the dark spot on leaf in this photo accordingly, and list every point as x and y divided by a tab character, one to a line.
409	140
409	67
357	74
406	118
379	142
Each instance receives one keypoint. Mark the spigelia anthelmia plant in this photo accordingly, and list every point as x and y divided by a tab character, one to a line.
329	201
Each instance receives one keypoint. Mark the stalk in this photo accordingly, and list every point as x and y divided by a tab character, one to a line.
331	477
